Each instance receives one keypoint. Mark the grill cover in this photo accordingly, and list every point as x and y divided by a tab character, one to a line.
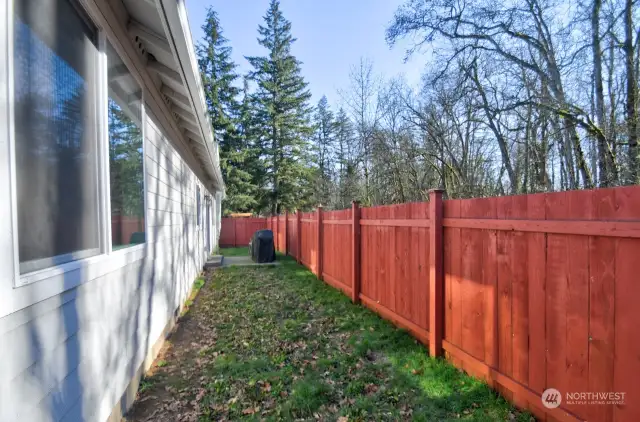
261	246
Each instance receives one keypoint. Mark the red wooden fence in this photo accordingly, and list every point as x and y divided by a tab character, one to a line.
539	292
123	227
527	292
238	231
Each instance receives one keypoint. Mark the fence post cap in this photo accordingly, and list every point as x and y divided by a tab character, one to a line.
436	190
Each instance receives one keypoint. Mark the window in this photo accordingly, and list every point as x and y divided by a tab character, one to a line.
55	133
125	154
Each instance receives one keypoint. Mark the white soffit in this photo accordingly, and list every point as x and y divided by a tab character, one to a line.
160	30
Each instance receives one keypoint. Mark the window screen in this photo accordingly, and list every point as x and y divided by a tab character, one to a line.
125	154
55	133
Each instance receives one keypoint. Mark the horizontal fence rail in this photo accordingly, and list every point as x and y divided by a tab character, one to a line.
526	292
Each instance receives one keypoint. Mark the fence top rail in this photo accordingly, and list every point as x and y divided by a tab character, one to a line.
411	222
245	219
337	222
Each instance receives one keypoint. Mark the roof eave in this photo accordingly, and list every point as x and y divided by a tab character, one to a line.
176	25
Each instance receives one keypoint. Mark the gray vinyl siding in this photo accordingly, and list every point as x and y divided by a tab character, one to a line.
70	357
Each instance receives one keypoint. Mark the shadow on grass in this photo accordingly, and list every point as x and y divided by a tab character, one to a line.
239	251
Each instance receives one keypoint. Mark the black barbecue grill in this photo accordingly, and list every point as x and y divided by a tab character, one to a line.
261	247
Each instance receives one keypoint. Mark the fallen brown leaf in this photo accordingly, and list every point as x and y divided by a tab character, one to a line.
249	411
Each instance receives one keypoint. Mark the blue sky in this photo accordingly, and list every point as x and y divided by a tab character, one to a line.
332	35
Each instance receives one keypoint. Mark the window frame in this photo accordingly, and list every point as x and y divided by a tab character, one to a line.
105	250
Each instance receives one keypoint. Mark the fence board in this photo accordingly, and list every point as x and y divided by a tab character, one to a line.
282	221
519	301
504	248
292	235
309	240
577	306
627	311
601	305
490	285
452	277
536	260
557	295
472	292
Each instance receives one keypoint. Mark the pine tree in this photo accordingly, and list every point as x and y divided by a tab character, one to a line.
281	114
218	77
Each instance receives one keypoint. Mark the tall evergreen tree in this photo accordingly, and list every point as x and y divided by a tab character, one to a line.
282	115
218	77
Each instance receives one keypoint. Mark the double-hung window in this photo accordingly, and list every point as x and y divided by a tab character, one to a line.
67	103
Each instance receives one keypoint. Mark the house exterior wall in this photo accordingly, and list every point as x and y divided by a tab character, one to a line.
71	356
74	338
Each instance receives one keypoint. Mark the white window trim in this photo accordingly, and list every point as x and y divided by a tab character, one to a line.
11	142
106	253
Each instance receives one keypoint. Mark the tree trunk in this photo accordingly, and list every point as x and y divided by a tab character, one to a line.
603	165
274	188
632	118
502	143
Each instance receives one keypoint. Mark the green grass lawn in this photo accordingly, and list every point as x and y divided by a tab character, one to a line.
239	251
275	343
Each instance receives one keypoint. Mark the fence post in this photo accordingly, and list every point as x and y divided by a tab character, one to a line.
319	253
299	236
355	252
436	273
286	232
